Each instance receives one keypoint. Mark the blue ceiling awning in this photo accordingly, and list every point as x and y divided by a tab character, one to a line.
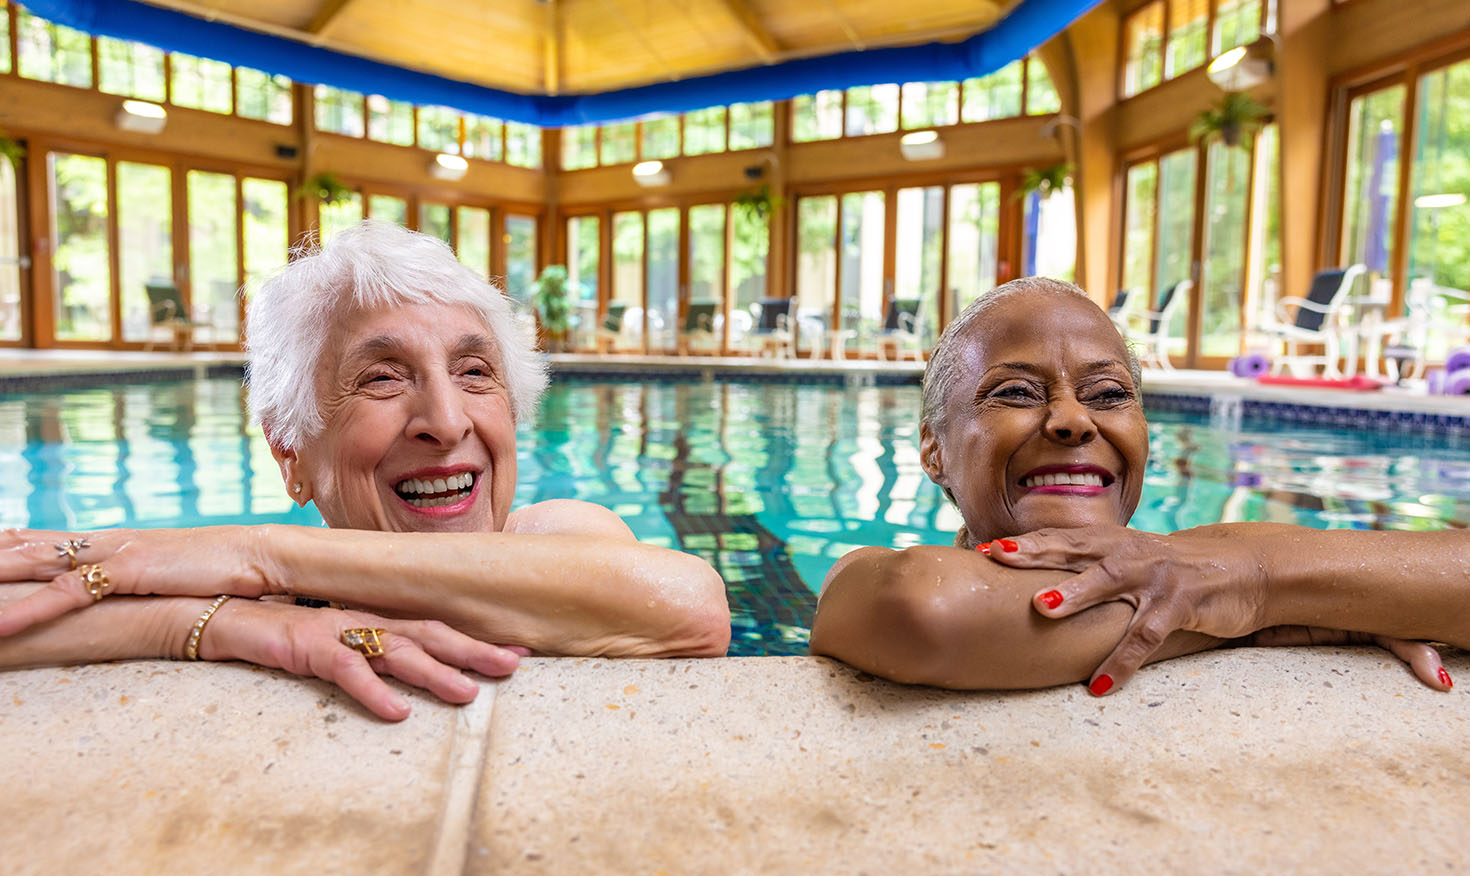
1028	25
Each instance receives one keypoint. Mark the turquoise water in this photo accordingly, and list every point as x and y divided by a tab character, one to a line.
769	482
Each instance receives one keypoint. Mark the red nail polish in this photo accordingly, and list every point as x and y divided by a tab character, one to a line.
1444	678
983	548
1101	685
1051	599
1009	546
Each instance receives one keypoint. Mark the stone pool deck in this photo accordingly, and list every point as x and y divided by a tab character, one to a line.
1284	760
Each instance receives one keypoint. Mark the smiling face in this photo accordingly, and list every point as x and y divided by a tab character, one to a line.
1045	428
419	434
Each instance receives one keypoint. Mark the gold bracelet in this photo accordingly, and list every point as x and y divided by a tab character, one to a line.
191	650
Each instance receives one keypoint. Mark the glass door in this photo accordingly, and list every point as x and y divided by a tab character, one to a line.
12	262
214	267
81	262
919	258
663	279
974	235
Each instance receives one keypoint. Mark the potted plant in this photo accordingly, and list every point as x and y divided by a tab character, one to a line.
553	303
325	187
1235	120
1045	182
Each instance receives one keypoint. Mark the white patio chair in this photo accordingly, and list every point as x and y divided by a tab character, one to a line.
901	331
1152	333
771	334
1322	317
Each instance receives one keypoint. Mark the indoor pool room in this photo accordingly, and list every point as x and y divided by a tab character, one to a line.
727	436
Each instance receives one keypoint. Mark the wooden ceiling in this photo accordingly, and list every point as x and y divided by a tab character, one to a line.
580	46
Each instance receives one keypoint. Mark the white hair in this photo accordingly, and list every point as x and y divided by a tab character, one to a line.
368	266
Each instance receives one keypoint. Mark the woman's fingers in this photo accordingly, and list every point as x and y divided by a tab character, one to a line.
1094	585
63	594
1070	550
1144	636
448	645
350	671
1421	657
407	662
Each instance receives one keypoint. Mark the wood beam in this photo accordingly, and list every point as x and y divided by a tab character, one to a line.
754	29
552	44
328	13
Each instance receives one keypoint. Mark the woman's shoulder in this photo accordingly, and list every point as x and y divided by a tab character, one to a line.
567	517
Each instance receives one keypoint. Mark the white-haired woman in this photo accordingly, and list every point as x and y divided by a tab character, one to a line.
388	379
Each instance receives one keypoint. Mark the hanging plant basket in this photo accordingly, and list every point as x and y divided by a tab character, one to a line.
1046	181
1235	120
760	202
326	188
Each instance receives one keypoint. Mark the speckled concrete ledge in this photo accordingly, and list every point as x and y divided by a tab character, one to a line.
1318	760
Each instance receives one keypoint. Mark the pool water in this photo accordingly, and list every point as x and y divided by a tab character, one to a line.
769	482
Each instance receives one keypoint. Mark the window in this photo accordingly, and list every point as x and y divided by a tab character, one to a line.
145	241
472	238
1143	44
663	278
520	256
930	104
267	231
340	214
750	247
1237	22
439	129
338	111
872	109
918	254
816	252
130	69
389	121
53	52
212	254
522	145
199	83
659	137
4	37
1140	189
83	271
1222	271
263	96
1186	47
578	147
816	116
388	209
627	268
974	228
434	220
1371	199
860	299
482	137
996	96
1041	95
618	145
582	258
752	125
1173	250
704	131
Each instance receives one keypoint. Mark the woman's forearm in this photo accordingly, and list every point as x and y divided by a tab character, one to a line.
555	594
951	618
1412	585
118	628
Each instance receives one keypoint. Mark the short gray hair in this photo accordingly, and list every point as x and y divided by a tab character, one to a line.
368	266
943	370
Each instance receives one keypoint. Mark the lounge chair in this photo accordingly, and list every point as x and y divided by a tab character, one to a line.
1154	338
166	310
610	334
771	335
699	324
1321	317
901	330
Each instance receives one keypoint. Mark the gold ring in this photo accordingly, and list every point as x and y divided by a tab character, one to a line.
95	580
70	547
365	640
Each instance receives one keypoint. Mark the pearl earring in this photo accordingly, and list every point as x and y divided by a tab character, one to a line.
296	489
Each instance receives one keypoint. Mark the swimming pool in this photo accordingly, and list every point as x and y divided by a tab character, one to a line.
770	482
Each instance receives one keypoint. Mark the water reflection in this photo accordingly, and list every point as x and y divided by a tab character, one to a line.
770	483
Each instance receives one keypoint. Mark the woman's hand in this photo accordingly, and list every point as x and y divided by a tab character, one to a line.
179	562
1208	581
307	641
1422	658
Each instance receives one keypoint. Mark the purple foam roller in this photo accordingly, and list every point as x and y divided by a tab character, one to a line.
1458	360
1250	365
1457	382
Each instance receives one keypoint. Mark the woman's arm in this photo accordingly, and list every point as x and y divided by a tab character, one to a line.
300	640
596	592
951	618
1232	578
